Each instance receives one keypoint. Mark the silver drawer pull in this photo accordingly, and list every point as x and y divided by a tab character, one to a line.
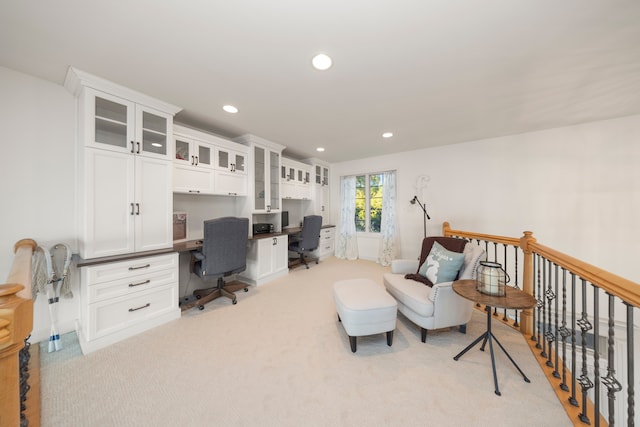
140	308
132	285
138	268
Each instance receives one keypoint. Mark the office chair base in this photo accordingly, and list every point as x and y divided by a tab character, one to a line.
295	262
203	296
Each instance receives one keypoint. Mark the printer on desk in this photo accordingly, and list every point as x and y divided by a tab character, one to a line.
262	228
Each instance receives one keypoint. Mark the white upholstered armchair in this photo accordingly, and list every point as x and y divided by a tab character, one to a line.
437	306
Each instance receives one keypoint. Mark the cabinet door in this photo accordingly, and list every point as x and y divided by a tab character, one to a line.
108	204
153	130
274	180
265	257
153	204
192	180
230	184
108	121
183	149
238	164
280	253
260	170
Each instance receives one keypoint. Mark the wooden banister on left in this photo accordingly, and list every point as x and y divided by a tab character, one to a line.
16	324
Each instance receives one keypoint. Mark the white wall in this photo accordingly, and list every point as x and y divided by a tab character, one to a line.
37	174
577	188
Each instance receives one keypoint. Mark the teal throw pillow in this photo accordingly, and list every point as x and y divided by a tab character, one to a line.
441	265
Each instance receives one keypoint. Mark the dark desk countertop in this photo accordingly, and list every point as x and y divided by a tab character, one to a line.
185	246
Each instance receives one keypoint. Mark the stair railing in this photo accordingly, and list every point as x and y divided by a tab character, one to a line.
582	329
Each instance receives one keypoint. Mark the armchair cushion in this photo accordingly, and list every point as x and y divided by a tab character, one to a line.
441	265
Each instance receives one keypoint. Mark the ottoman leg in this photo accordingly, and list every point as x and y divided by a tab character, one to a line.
352	341
389	338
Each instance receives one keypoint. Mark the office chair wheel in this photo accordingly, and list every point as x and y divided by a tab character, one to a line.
201	307
234	302
246	289
317	261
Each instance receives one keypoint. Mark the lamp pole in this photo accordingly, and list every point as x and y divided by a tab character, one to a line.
424	211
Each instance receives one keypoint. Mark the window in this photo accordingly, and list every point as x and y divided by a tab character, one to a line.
369	190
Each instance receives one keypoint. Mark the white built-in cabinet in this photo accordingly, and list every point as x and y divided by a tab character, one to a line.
321	194
267	259
192	166
207	164
231	171
124	179
327	245
124	167
264	174
296	180
121	299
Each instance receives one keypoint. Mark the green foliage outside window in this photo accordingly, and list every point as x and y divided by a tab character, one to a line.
369	190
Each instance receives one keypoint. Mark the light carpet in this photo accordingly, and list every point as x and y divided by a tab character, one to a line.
281	358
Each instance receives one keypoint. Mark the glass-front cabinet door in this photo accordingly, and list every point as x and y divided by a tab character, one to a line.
274	179
152	133
238	165
183	153
119	125
230	160
259	167
204	155
112	122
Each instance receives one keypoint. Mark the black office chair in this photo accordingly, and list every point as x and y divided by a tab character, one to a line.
224	252
309	238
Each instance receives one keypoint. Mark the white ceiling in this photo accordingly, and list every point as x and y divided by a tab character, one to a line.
433	72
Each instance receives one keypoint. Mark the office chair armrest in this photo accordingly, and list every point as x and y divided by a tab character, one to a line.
197	255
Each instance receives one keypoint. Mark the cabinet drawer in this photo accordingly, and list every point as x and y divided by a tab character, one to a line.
327	233
129	269
128	286
115	314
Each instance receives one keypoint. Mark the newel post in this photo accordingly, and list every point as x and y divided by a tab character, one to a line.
16	323
526	322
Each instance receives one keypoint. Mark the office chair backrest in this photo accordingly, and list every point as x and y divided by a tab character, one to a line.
225	245
311	226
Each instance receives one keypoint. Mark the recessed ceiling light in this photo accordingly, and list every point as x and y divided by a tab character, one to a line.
321	62
230	109
387	134
320	149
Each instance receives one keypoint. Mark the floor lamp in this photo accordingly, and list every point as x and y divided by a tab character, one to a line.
424	211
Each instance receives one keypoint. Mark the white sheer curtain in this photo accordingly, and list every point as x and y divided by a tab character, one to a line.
388	224
346	243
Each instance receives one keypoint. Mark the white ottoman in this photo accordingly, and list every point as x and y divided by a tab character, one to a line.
365	308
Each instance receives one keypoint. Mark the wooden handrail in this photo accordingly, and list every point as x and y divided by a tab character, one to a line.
16	323
620	287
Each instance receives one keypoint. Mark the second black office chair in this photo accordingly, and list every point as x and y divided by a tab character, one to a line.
309	238
224	252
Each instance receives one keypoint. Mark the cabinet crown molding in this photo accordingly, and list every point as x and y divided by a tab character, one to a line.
77	79
252	139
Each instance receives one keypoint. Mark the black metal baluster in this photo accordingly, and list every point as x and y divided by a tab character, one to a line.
564	332
543	296
495	259
515	252
583	380
555	373
504	316
630	376
539	303
23	363
596	354
574	365
610	381
548	335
